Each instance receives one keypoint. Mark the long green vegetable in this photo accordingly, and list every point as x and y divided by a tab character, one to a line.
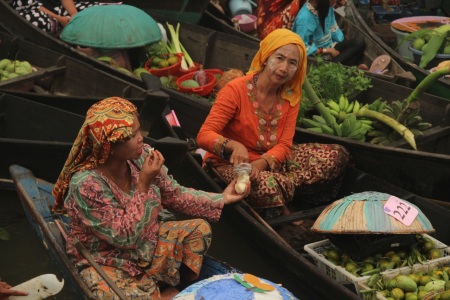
176	44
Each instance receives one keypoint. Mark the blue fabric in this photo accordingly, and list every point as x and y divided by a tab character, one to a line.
307	26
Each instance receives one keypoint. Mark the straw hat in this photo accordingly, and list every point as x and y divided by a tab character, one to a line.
363	213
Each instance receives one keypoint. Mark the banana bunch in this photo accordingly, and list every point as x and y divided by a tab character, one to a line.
384	135
347	125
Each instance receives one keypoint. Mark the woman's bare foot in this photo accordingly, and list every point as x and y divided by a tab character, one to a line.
168	293
286	212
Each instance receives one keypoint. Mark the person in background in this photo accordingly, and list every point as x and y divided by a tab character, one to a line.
6	291
253	120
113	186
316	25
50	15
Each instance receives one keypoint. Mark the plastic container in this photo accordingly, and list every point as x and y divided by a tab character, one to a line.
243	168
202	90
239	7
417	55
426	267
403	50
171	70
182	72
339	273
247	22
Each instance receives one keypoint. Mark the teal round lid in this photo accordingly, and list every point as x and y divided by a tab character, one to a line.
372	212
111	27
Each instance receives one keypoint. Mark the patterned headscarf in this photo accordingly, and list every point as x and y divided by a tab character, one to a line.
292	90
107	121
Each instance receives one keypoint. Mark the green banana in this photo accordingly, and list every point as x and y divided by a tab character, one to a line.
319	119
423	125
356	106
346	127
316	129
350	107
326	129
338	129
413	121
334	106
343	103
310	123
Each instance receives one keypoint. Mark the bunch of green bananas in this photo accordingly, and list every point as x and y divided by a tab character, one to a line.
347	125
382	134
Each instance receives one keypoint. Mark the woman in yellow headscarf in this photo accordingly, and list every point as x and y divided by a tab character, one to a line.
253	121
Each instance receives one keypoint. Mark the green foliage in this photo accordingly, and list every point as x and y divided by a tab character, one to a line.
331	80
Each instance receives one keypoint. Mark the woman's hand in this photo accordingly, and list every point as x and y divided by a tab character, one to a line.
6	291
333	52
239	153
150	168
230	196
258	166
63	20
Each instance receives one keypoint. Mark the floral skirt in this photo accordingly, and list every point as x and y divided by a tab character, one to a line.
179	242
313	172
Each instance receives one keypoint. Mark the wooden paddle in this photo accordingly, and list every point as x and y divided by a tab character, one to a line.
91	260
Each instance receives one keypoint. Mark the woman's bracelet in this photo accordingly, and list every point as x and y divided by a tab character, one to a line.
222	149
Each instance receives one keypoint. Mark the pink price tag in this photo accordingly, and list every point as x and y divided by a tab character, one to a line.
400	210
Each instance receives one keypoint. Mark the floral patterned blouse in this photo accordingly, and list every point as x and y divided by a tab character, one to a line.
237	115
121	229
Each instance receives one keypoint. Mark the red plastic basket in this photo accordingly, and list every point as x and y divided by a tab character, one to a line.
202	90
171	70
182	72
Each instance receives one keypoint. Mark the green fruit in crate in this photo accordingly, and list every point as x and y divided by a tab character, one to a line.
445	295
434	253
397	293
334	254
414	277
411	296
4	63
424	279
351	267
405	283
421	294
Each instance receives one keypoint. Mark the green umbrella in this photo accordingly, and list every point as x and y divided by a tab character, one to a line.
111	27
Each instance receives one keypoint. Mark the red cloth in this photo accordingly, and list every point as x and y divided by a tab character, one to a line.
276	14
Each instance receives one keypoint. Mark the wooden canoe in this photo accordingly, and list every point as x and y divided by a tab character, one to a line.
217	20
12	23
421	172
36	198
440	88
59	74
286	252
39	136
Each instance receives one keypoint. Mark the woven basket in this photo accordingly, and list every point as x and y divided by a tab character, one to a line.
363	213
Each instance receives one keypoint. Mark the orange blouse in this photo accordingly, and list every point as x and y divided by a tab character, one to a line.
237	115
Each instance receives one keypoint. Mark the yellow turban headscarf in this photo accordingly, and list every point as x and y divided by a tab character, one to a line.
292	90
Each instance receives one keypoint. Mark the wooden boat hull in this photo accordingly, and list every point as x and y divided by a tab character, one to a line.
440	88
39	136
215	19
58	74
12	23
36	198
191	115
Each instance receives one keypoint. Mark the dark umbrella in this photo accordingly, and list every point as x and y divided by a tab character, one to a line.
111	27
